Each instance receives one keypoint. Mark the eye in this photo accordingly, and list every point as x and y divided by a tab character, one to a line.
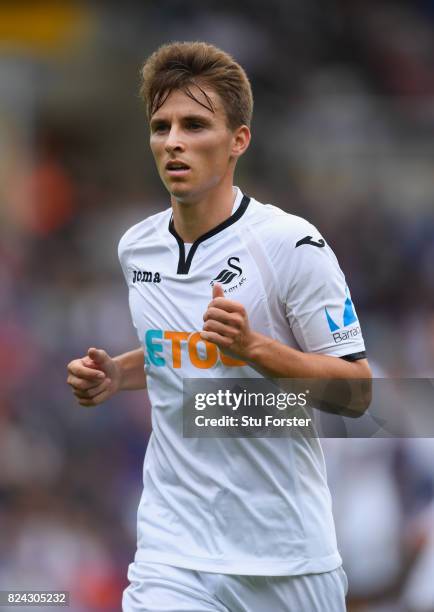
160	128
194	125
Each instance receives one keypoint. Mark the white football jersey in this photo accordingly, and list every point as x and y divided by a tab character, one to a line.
255	506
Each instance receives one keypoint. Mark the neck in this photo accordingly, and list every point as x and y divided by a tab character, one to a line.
195	218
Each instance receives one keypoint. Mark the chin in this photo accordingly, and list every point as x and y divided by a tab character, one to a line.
181	192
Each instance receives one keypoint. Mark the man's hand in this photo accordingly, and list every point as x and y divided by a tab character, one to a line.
94	378
227	325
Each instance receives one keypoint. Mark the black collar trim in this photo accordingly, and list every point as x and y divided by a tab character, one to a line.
185	264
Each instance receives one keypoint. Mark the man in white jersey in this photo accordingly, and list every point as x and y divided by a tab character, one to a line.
221	286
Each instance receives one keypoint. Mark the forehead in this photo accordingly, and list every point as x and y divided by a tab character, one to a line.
179	103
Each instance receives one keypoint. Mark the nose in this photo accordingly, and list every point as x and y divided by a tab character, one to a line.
174	142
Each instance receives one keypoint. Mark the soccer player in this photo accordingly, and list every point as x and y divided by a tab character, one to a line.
222	286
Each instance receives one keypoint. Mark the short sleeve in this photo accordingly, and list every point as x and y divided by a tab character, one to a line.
123	252
317	300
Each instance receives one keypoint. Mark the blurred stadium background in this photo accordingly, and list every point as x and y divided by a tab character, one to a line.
343	135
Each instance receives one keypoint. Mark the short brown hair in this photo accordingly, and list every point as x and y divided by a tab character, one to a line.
179	65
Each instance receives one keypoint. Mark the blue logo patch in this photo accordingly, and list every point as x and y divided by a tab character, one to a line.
349	316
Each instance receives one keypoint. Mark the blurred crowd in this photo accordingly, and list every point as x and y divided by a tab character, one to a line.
342	135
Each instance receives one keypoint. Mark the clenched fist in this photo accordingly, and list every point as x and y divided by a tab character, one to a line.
226	324
94	378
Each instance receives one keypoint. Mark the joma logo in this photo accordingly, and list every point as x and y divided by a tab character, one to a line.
143	276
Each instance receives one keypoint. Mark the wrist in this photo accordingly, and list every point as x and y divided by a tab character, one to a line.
129	371
119	372
255	347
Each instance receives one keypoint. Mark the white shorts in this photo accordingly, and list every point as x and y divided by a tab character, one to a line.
155	587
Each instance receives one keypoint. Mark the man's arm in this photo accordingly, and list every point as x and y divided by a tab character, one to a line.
349	394
97	376
280	361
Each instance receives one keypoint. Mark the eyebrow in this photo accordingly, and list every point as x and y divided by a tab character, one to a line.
197	118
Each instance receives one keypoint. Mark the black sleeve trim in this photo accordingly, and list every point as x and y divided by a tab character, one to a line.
355	356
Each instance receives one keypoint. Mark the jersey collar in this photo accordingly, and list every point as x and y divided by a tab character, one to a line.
184	263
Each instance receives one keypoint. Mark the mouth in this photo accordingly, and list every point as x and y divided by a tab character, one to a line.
177	168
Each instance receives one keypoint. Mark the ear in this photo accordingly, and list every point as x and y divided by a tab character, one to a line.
240	140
